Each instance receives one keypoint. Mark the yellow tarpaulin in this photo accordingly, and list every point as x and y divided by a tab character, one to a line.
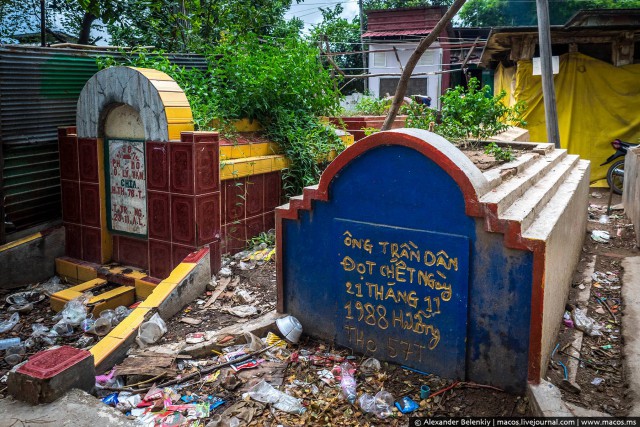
597	103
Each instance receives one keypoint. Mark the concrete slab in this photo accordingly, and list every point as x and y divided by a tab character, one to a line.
75	409
546	401
630	323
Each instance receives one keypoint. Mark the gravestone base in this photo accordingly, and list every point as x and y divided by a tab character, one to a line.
51	373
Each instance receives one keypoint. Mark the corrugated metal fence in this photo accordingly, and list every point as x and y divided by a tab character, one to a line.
39	88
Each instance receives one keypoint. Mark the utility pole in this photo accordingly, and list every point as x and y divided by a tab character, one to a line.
43	24
548	90
364	55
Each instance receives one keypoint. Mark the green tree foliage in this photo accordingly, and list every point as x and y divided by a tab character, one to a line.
468	114
18	17
496	13
188	25
342	35
176	25
279	82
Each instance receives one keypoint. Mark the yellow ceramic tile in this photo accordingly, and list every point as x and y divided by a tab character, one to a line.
174	99
103	348
123	295
180	272
166	86
178	113
66	268
20	242
105	237
136	274
225	152
129	325
86	273
240	151
263	165
261	149
235	170
280	163
175	129
152	74
347	140
159	294
144	289
246	125
274	148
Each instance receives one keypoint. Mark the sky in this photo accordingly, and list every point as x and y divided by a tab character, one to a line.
308	11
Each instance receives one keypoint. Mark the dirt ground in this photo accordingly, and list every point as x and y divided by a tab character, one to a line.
301	370
601	370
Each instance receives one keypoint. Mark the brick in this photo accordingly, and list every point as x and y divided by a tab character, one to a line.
51	373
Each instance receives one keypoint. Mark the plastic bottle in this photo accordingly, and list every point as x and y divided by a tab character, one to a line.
8	342
348	382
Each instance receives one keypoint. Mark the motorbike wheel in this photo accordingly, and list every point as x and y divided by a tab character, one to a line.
615	176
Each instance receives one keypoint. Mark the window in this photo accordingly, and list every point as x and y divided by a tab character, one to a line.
379	59
426	59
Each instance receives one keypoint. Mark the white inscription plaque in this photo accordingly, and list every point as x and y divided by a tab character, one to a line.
127	186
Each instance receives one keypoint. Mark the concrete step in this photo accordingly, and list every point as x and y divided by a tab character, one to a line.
497	175
513	188
545	221
527	207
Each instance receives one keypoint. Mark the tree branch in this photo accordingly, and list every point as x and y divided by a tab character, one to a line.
413	60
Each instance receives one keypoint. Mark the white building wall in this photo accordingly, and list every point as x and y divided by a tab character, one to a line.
431	56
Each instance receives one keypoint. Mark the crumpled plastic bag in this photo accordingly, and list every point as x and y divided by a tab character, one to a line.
151	331
7	325
585	323
263	392
75	311
381	405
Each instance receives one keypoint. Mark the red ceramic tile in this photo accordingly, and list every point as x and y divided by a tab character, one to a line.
186	136
207	165
215	256
270	220
255	226
272	190
159	211
159	259
68	148
183	220
70	201
236	237
196	256
255	195
115	245
200	137
90	204
91	244
49	363
157	166
133	252
179	253
208	218
234	199
65	131
181	168
73	241
88	159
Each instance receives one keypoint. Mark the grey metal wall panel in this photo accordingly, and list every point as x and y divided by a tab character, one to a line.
39	88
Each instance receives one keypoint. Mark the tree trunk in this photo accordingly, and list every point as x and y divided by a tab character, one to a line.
413	60
85	29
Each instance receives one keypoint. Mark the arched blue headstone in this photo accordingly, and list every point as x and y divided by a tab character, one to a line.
387	261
